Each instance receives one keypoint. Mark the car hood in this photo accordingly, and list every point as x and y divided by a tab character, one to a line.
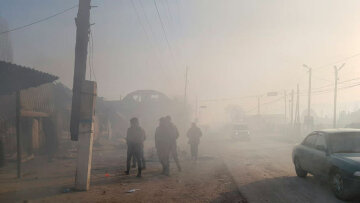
351	158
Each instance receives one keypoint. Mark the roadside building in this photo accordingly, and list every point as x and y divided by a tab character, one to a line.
33	109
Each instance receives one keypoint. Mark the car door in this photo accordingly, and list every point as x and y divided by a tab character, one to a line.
307	152
319	158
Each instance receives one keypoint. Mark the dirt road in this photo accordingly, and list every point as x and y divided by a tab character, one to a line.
205	181
263	172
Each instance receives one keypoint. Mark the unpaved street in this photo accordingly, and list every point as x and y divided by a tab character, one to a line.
263	171
204	181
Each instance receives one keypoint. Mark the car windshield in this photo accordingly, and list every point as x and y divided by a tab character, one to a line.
345	142
240	127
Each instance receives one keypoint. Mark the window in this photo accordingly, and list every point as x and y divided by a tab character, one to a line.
310	141
320	142
347	142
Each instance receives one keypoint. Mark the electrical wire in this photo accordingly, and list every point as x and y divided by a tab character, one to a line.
227	99
38	21
168	10
164	32
147	34
335	62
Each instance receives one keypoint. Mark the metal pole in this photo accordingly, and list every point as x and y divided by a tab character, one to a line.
285	105
197	109
18	136
292	107
335	94
335	91
186	84
297	111
258	105
309	93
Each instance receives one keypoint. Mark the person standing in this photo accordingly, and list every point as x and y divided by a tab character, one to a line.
163	145
174	135
143	161
134	139
194	134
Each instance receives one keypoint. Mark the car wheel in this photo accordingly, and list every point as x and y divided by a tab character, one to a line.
339	186
299	171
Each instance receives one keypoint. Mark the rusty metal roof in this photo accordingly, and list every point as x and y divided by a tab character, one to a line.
15	77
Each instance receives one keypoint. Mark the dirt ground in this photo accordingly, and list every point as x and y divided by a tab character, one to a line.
205	181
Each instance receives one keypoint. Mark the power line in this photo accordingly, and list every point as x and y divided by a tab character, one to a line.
338	61
38	21
168	10
140	22
227	99
147	34
163	29
273	101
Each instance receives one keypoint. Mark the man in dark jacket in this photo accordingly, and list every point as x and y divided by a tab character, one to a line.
194	134
163	144
174	135
134	139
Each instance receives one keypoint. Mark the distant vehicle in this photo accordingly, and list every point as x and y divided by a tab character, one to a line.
333	154
240	132
353	125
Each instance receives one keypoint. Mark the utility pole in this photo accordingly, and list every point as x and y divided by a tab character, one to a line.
83	100
82	22
292	107
196	109
18	133
335	91
258	106
309	90
308	120
285	106
186	86
297	110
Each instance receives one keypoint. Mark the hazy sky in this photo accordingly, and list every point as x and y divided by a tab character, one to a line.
233	48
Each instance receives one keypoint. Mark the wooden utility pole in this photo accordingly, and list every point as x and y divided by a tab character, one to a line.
285	106
186	86
297	110
83	101
309	94
197	109
308	121
335	91
18	133
258	112
292	107
82	22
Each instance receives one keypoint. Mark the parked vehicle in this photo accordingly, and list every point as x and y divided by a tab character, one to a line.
241	132
333	154
353	125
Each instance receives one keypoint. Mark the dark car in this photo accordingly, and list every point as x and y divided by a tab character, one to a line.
333	154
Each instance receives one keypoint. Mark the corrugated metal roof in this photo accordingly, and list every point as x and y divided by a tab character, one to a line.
15	77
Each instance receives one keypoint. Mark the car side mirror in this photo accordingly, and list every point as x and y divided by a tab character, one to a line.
321	148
